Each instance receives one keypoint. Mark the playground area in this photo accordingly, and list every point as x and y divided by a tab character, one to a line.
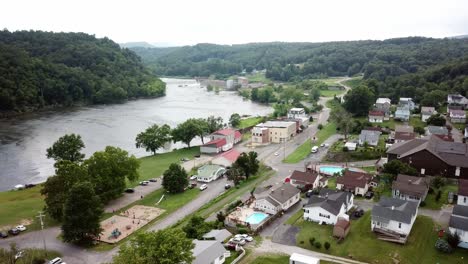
121	226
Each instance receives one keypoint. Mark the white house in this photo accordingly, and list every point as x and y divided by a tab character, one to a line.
209	251
297	113
457	116
351	146
426	112
403	113
328	206
355	182
369	136
302	259
209	173
407	102
410	188
278	199
462	192
383	104
393	219
457	99
459	224
376	116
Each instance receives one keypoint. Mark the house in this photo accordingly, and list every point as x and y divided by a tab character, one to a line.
402	113
433	156
279	199
407	103
403	133
221	140
297	113
439	131
306	180
209	172
376	116
260	135
457	116
278	131
457	99
462	192
459	224
369	136
466	133
219	235
302	259
383	104
341	228
354	182
393	219
351	146
426	112
226	159
328	206
209	251
410	188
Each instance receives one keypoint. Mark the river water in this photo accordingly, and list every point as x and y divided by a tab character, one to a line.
24	140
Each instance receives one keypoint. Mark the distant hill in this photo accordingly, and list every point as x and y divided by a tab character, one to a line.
44	69
459	37
141	44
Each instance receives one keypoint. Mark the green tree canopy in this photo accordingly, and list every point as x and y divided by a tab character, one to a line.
196	227
396	167
67	147
154	138
344	121
359	100
167	246
214	123
185	132
436	120
82	213
248	163
175	179
234	120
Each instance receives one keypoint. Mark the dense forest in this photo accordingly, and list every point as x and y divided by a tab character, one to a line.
43	69
412	67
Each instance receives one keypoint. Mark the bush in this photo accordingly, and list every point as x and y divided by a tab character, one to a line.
327	245
311	241
453	239
242	230
443	246
318	245
320	126
301	242
422	204
345	149
439	194
431	191
438	182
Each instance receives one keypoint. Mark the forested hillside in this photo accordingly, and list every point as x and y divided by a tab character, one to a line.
396	67
40	69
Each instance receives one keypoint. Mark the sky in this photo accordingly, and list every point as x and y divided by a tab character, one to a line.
177	22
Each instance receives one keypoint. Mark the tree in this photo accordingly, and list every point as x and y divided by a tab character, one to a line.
396	167
201	126
56	187
220	216
343	120
165	246
67	147
214	123
108	171
235	174
443	246
82	213
327	245
196	227
437	182
419	130
436	120
248	163
187	131
153	138
359	100
453	238
175	179
234	120
434	98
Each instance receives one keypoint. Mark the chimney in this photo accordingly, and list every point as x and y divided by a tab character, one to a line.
393	207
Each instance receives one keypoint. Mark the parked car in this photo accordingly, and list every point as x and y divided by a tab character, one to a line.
247	237
203	187
369	195
129	190
184	159
358	213
193	177
238	240
276	153
314	149
227	186
197	156
144	183
309	193
13	231
3	234
21	228
192	185
56	261
230	246
153	180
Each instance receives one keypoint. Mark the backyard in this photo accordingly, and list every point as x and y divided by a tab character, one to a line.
250	121
338	154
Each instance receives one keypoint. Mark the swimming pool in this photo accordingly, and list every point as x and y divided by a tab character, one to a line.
256	218
330	170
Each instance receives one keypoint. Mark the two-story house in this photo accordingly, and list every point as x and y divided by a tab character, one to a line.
410	188
370	136
426	112
457	99
328	206
459	224
407	103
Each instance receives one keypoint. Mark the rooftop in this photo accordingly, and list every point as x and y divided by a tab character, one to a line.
404	128
376	113
206	251
280	124
463	187
394	209
218	234
230	155
411	185
217	142
404	135
225	132
353	179
284	192
383	101
437	130
305	177
329	200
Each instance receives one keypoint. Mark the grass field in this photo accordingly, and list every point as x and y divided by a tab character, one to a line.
29	255
431	202
362	244
249	122
278	259
331	93
354	82
258	77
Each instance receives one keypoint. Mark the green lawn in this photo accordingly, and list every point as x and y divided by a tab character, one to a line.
257	77
331	93
431	202
304	150
354	82
20	205
362	244
250	122
332	183
30	254
272	259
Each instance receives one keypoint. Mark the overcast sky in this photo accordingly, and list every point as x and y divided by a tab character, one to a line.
239	21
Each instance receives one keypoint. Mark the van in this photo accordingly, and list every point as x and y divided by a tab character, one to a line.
314	149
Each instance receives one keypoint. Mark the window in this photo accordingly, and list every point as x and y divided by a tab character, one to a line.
464	199
423	171
457	171
399	225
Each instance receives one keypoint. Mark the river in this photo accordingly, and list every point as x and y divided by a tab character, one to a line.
24	140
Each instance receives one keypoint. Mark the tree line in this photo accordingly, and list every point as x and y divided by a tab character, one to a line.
45	69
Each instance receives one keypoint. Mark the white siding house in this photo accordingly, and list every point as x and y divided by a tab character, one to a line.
462	192
459	224
281	198
328	206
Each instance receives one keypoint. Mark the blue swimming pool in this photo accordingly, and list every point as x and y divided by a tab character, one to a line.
330	170
256	218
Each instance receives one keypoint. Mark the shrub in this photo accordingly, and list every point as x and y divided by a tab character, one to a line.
311	241
327	245
242	230
301	242
453	239
439	194
431	191
443	246
438	182
422	204
320	126
318	245
345	149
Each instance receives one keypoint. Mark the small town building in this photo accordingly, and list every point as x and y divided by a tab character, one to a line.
351	146
393	219
404	136
306	179
219	235
410	188
383	104
355	182
408	103
462	198
426	112
279	199
457	116
402	113
210	172
376	116
328	206
221	140
437	130
209	251
297	113
279	131
297	258
459	224
226	159
260	135
213	146
369	136
341	228
433	156
457	99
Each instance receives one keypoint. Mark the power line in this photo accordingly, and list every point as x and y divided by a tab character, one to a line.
40	216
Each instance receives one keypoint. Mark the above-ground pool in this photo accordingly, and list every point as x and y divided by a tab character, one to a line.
331	170
256	218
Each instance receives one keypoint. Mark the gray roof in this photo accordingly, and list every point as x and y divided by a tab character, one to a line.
369	136
394	209
284	192
329	200
428	110
460	210
218	234
206	251
411	185
437	130
459	222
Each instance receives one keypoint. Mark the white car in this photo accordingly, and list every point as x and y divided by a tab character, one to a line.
21	228
193	177
247	238
237	240
56	261
276	153
144	183
203	187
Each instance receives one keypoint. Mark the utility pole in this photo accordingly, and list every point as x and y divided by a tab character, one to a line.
40	216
